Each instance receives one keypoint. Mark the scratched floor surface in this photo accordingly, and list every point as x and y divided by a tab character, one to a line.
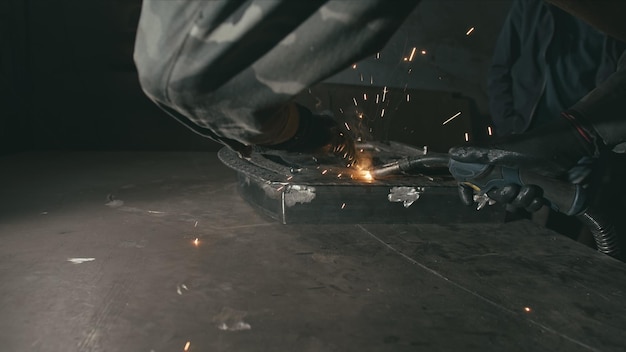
156	252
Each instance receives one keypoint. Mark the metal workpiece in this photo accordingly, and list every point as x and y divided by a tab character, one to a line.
297	188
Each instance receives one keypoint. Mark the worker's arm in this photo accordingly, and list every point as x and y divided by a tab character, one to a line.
500	81
593	126
231	67
607	16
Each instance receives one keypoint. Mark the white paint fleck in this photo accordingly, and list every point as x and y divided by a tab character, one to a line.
116	203
238	326
299	194
231	320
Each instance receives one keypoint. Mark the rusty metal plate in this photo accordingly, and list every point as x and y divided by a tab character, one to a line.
299	189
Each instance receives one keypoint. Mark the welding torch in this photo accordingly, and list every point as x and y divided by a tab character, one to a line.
411	164
565	197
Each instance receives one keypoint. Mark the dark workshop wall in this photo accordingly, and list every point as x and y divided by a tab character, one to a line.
14	81
68	80
447	57
71	82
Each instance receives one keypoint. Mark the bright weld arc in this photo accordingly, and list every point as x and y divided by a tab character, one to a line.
452	118
489	130
347	126
470	31
355	103
364	96
466	137
382	113
187	345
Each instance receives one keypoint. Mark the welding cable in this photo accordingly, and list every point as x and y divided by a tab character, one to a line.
603	232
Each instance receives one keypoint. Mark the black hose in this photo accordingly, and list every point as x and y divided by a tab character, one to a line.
603	232
420	162
427	161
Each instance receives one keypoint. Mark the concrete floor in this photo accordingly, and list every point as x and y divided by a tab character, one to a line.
143	283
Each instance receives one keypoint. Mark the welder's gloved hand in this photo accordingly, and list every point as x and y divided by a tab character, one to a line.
561	151
550	151
528	197
319	135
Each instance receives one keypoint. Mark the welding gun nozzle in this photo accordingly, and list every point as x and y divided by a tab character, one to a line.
386	170
427	162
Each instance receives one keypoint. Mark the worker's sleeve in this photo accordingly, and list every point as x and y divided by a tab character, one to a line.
603	109
606	16
500	80
230	66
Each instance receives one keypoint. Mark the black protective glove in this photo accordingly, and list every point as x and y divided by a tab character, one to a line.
528	197
561	151
320	134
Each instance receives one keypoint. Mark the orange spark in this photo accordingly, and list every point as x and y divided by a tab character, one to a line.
412	54
452	118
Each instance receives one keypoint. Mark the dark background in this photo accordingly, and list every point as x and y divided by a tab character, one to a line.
67	79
